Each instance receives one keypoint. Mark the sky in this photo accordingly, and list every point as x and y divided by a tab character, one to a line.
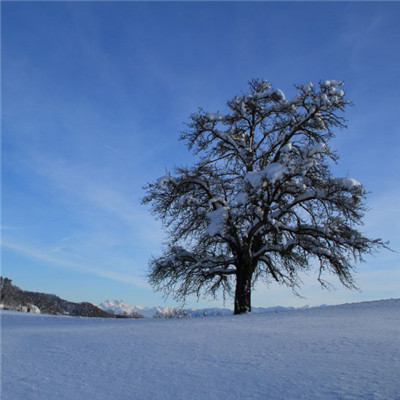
95	95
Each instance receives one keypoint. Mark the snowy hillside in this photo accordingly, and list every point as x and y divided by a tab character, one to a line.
331	353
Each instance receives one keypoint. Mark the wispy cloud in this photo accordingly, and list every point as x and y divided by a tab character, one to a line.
93	190
52	259
9	228
108	147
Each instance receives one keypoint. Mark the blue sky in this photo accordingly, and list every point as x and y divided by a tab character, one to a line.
95	95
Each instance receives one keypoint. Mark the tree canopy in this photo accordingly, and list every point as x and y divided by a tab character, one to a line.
260	201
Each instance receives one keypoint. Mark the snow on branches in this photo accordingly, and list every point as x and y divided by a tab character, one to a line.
261	200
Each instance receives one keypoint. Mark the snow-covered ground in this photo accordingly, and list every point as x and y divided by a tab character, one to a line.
342	352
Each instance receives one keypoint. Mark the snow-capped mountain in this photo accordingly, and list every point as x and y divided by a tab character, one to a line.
120	307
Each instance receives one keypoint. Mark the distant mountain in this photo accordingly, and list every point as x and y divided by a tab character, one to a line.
120	307
14	298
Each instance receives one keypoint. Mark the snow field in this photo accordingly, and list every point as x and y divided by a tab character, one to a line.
343	352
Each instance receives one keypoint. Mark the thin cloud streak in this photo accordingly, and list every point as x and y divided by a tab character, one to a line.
92	189
106	146
10	228
44	256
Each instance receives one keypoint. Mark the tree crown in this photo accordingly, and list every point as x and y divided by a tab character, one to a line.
261	200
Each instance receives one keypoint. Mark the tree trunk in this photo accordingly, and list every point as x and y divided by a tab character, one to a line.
243	293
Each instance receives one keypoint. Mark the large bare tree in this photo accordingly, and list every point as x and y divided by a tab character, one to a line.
260	202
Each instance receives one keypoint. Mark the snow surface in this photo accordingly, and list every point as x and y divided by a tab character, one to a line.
341	352
217	220
165	180
272	172
347	183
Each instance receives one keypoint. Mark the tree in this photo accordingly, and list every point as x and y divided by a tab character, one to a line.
261	201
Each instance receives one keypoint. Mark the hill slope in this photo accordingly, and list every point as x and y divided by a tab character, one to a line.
14	298
331	353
